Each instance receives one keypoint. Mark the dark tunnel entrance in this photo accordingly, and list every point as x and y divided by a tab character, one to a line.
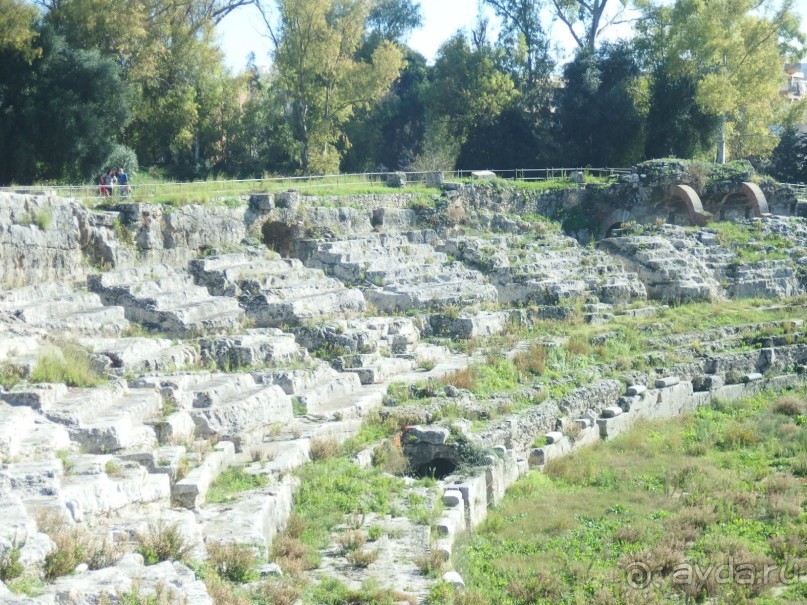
615	227
439	468
279	237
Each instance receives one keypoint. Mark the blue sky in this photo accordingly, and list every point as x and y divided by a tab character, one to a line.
241	31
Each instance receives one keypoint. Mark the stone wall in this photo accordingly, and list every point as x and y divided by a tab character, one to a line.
39	240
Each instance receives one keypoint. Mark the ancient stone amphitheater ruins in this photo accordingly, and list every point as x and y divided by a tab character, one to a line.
251	336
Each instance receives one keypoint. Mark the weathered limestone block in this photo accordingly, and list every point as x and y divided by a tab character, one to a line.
499	475
539	456
191	491
394	218
99	485
475	498
230	406
39	240
26	435
256	518
143	354
57	308
255	348
18	528
92	587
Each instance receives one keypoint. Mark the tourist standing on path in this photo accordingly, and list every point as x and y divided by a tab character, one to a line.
123	182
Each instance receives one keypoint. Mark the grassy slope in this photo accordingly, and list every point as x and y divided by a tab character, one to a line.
724	482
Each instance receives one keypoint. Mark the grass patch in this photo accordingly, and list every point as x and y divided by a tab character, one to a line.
751	243
570	535
233	481
66	362
335	489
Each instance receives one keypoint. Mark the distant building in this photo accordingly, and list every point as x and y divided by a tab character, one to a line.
796	87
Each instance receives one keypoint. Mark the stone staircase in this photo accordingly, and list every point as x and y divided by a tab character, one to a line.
139	354
226	406
402	271
167	300
314	389
547	270
255	348
668	273
57	308
26	435
276	291
101	420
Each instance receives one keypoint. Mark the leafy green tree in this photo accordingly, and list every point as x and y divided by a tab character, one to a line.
393	20
467	88
676	124
734	50
315	55
585	19
17	33
259	139
789	159
62	114
524	40
390	134
600	122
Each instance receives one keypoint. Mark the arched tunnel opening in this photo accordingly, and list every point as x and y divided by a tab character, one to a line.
278	236
615	227
438	468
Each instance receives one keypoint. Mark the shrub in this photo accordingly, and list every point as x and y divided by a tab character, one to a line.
351	540
390	458
225	593
578	346
628	535
162	541
43	219
295	526
113	468
274	592
799	466
738	435
374	533
234	562
103	553
427	364
70	551
532	361
790	405
431	564
539	585
292	555
11	374
462	379
10	566
121	156
362	558
324	448
162	596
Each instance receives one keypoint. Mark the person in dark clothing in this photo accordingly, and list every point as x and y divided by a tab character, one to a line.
123	182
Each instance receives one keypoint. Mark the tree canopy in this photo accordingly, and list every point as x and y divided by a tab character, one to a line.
85	82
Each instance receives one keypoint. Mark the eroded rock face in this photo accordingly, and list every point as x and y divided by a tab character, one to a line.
39	240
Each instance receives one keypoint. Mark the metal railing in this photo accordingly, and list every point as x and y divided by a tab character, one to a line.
235	187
